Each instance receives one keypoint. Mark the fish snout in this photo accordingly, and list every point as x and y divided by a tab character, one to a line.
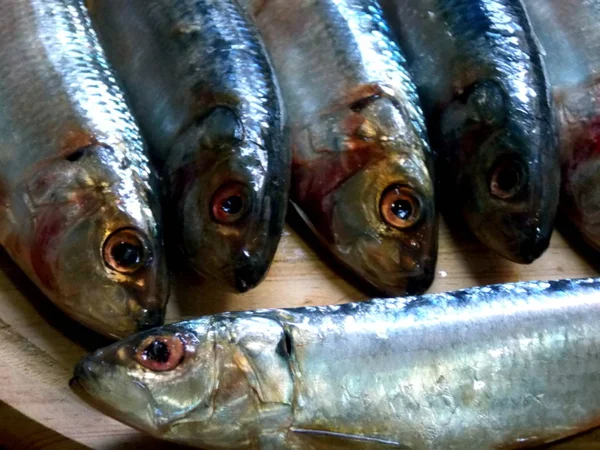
419	283
150	318
146	305
525	238
249	271
533	247
409	275
82	373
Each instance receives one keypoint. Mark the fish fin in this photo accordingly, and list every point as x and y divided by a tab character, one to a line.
540	439
345	440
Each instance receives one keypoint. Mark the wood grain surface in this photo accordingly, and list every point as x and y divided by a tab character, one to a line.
40	345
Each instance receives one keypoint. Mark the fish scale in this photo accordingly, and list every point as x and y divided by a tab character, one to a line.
61	60
199	27
74	170
503	366
348	28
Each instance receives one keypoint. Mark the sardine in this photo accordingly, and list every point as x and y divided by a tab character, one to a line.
201	86
479	73
569	32
504	366
79	212
360	158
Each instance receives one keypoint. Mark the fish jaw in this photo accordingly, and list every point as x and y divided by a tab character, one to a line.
519	238
513	233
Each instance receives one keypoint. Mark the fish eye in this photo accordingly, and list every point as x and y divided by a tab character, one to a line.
160	353
507	179
400	207
125	252
230	203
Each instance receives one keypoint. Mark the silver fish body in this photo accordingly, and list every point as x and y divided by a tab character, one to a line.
479	74
569	32
505	366
360	158
79	212
200	84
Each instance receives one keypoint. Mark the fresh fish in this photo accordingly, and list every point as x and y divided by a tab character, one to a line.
479	73
79	212
569	32
505	366
360	161
201	87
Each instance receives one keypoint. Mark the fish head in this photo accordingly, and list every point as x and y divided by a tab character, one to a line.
373	201
230	201
505	156
209	382
580	155
582	198
94	246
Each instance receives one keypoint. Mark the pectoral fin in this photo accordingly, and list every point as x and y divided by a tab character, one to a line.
333	440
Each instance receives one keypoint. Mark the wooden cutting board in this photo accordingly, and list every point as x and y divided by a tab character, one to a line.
40	345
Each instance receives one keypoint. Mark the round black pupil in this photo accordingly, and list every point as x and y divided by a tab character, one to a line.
402	209
508	178
126	254
232	205
157	351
